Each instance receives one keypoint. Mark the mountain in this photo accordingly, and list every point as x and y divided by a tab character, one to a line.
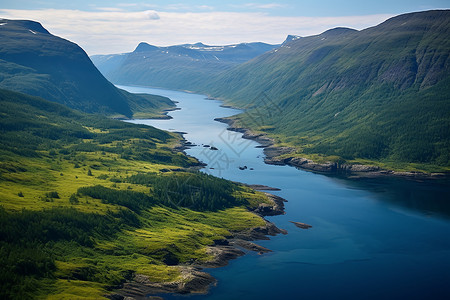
182	66
379	95
35	62
291	38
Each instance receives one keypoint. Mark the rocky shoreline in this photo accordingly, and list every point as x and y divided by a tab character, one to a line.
272	154
193	280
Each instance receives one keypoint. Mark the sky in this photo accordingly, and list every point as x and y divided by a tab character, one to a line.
117	26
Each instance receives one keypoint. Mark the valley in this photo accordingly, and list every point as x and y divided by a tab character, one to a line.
322	161
375	97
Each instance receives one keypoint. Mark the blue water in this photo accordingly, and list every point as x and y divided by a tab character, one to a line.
385	238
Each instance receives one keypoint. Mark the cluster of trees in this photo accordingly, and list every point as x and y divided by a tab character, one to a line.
194	190
130	199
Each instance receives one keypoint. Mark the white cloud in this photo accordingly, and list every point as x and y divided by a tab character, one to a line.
108	9
102	32
152	15
264	5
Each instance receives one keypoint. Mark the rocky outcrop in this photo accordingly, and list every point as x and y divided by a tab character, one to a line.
260	187
247	134
301	225
272	209
191	280
311	165
222	254
250	246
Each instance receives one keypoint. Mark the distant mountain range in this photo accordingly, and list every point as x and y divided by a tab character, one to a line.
181	66
37	63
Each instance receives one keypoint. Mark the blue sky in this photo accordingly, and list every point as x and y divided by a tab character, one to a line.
273	7
116	26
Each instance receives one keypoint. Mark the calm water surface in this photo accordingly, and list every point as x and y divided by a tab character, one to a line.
371	238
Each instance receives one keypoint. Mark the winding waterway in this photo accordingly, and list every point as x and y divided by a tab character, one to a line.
385	238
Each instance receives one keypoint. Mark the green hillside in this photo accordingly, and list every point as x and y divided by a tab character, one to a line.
377	96
35	62
88	202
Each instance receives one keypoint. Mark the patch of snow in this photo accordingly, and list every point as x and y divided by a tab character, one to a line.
33	32
212	48
216	57
1	24
323	39
336	114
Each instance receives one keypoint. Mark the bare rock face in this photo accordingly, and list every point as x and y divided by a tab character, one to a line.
272	151
310	165
276	208
191	281
250	246
360	168
221	254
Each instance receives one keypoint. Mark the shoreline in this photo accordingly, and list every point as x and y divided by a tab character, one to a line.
272	152
193	279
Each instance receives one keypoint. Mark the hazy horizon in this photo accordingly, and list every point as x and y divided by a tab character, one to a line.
107	27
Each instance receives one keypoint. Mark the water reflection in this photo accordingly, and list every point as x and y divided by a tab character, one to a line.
428	196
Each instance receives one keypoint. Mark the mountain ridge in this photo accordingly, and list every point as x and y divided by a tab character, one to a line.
176	66
35	62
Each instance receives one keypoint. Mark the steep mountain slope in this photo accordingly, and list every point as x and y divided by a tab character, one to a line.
35	62
381	94
181	66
